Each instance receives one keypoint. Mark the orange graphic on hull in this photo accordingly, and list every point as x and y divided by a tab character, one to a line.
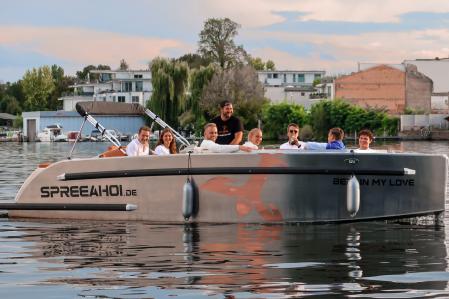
249	195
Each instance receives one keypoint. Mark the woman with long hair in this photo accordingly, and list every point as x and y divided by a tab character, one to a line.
166	144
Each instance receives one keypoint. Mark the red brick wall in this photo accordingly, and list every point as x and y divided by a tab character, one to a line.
380	86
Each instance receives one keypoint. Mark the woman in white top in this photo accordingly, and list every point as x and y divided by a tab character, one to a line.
254	138
166	144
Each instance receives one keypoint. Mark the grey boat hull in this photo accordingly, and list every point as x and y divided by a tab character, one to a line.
263	187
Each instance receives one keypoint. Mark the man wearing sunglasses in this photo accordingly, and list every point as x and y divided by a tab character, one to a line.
292	134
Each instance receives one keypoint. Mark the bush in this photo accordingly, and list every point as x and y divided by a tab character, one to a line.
276	118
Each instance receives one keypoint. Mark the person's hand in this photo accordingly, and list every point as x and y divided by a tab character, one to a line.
245	148
294	141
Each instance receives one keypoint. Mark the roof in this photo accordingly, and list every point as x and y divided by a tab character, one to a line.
7	116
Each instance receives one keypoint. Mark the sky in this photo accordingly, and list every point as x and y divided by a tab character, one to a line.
330	35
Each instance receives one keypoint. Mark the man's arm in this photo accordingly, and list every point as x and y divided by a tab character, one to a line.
237	138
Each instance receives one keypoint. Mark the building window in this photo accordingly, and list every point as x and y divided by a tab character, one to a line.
301	78
275	76
294	77
285	78
127	86
139	76
139	85
270	75
135	99
329	91
317	76
121	99
113	98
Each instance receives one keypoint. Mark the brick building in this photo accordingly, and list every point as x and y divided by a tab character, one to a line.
385	86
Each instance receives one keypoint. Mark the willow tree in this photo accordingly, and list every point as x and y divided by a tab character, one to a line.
170	81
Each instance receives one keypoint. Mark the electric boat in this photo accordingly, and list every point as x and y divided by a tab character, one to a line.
264	186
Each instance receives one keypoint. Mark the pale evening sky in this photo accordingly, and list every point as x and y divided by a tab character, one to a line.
330	35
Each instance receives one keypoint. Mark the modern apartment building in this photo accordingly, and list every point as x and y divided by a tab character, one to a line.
290	86
130	86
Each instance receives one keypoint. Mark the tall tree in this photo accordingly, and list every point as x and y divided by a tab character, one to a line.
62	84
169	80
257	63
38	85
217	42
85	73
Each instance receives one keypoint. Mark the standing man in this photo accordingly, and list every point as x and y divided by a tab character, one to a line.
140	146
230	128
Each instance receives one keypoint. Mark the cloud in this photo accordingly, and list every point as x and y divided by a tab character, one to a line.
382	47
83	46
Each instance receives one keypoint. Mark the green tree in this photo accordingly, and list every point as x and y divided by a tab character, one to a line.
217	43
85	73
194	61
269	65
276	118
199	79
9	104
257	63
62	84
38	85
169	80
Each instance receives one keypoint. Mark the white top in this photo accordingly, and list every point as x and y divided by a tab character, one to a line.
359	150
161	150
287	145
135	148
208	146
251	145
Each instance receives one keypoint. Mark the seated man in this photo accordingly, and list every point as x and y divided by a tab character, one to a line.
254	139
365	139
293	141
209	145
334	141
139	146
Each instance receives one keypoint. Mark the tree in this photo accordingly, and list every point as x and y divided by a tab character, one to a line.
217	43
9	104
169	79
276	117
85	73
269	65
37	86
62	84
194	61
123	65
199	79
257	63
240	85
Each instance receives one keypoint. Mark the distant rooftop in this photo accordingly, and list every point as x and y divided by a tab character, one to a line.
117	71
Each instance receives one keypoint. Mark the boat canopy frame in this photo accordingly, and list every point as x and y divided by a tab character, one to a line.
87	109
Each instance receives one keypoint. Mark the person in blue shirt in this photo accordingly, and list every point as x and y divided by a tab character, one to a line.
334	141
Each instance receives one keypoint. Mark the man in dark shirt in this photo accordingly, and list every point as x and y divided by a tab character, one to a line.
230	128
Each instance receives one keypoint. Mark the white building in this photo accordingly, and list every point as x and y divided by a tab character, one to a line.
130	86
295	87
438	70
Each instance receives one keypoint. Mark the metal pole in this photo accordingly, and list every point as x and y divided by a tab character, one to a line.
77	138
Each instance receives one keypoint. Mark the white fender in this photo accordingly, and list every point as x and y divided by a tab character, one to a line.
187	199
353	196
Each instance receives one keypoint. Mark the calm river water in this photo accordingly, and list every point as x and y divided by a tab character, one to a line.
85	259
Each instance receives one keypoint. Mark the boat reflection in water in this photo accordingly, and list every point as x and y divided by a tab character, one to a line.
137	259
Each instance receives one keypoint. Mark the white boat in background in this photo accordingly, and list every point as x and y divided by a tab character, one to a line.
52	133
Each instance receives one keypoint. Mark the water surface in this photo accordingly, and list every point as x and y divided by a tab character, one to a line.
92	259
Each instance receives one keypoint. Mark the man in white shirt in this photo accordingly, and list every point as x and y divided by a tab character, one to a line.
254	138
365	139
293	141
209	145
140	146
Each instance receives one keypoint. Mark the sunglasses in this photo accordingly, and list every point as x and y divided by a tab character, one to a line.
293	131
